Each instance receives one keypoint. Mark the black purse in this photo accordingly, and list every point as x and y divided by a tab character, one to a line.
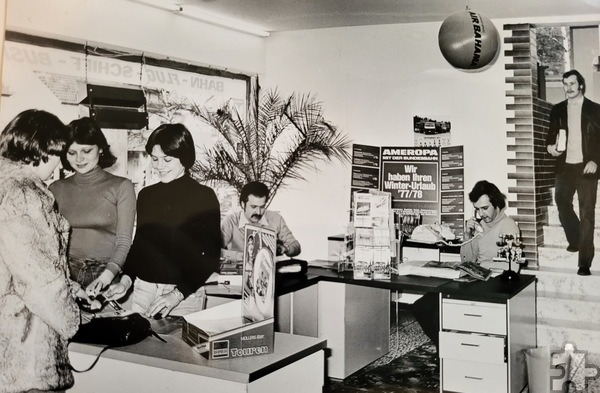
114	331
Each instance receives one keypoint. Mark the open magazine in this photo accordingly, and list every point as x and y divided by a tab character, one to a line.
471	269
475	270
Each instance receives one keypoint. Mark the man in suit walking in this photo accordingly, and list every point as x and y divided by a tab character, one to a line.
574	140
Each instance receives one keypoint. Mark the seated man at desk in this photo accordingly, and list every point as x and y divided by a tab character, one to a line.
488	222
481	234
253	199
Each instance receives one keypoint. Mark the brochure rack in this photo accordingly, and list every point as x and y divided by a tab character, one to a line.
374	235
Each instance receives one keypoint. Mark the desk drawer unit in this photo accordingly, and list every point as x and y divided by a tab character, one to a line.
473	377
469	316
484	328
473	347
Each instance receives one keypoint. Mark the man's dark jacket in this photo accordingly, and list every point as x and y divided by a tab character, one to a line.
590	129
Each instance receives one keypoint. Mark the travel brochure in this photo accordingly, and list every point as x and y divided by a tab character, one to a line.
374	231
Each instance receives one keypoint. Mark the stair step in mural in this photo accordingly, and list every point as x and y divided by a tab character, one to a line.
555	235
557	332
566	281
569	307
559	257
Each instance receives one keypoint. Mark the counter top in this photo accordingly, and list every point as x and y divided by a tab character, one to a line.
414	284
176	355
494	289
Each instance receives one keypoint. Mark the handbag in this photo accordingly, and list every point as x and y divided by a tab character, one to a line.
114	331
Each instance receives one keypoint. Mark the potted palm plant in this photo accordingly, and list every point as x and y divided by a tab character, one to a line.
275	143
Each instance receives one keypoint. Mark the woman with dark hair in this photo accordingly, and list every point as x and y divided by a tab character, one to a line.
99	206
38	312
178	238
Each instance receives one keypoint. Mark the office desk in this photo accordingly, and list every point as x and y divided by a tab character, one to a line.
353	315
296	366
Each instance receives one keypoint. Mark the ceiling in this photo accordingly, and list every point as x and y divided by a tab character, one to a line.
286	15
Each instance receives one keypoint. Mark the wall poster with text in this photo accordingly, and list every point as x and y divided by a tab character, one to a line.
411	175
425	182
365	169
452	178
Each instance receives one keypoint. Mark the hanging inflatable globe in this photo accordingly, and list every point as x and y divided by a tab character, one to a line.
468	40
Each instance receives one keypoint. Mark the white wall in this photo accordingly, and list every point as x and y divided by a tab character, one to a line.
126	24
372	81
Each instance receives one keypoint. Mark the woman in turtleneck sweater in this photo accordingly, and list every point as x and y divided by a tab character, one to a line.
177	242
99	206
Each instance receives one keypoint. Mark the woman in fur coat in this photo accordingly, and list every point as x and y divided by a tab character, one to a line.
38	312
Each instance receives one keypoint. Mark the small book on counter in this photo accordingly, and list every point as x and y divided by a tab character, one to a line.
231	268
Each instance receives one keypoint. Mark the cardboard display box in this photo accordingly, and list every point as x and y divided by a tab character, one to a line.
243	327
221	332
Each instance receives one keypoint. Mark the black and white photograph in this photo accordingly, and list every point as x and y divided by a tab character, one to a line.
189	196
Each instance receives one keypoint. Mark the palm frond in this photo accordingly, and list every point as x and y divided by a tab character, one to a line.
279	140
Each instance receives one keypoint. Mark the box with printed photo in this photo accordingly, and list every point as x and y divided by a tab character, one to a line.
243	327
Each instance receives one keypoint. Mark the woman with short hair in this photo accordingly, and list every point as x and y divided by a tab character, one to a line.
38	312
177	242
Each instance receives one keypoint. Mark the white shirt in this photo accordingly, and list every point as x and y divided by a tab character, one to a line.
574	146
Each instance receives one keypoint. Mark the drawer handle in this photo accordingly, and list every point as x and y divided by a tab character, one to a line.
473	315
477	378
469	345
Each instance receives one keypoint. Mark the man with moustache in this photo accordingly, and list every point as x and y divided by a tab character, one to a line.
487	224
253	199
481	234
576	165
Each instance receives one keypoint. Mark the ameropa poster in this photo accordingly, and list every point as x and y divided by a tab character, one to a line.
411	175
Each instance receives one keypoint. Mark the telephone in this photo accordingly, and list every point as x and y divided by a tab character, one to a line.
478	228
432	233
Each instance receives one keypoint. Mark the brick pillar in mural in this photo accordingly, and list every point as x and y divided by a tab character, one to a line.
530	170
